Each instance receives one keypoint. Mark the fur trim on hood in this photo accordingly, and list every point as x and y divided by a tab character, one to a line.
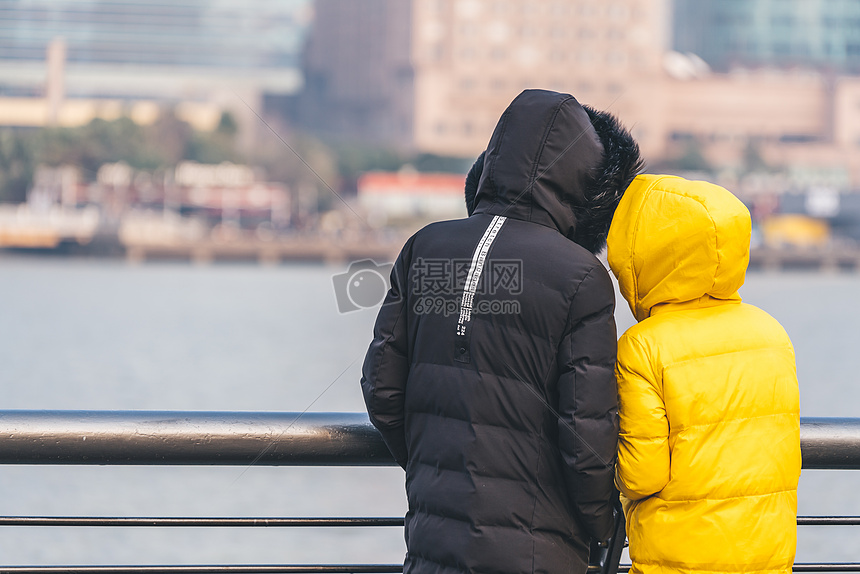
472	179
621	162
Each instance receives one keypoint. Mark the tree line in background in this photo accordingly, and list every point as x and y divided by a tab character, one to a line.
147	147
307	161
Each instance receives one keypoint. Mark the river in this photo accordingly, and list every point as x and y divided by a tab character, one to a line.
94	334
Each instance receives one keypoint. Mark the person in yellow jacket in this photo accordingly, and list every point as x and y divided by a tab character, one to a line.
709	446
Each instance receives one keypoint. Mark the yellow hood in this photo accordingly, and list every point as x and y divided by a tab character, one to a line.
674	240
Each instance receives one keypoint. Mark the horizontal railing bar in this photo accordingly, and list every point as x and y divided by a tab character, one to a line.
828	567
202	569
315	522
828	520
830	443
190	438
196	521
272	439
317	569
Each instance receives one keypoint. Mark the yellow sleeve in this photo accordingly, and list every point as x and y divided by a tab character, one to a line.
643	446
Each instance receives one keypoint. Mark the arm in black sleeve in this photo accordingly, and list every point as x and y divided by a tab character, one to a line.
588	402
386	365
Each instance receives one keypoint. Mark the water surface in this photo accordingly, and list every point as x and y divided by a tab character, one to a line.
79	334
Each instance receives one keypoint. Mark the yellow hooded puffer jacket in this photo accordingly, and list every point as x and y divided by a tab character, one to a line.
709	451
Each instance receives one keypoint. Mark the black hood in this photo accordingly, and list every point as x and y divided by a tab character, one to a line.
554	162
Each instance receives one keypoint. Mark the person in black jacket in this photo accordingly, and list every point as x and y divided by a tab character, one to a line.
490	374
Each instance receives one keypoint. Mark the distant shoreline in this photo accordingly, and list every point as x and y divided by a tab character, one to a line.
762	259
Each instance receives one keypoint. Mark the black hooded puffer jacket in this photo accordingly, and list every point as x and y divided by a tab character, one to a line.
490	375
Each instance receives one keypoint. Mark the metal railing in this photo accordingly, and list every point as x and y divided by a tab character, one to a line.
277	439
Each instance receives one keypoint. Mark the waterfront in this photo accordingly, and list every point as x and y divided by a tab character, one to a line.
80	334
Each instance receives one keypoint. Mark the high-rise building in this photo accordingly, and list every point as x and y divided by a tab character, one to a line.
157	48
359	73
435	75
775	33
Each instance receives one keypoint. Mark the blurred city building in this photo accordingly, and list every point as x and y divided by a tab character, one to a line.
391	197
359	71
226	200
755	33
435	75
226	193
112	57
198	212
